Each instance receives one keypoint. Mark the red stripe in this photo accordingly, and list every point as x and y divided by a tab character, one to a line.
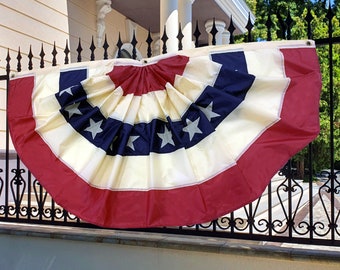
139	80
226	192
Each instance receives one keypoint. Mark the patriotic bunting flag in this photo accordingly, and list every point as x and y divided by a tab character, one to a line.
177	139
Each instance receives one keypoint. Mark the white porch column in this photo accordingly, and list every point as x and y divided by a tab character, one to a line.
220	26
169	19
103	8
185	18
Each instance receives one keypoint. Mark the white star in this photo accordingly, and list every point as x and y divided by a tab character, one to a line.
166	137
208	111
67	90
94	128
192	128
130	142
73	109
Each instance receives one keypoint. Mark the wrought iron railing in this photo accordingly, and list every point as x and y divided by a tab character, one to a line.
290	210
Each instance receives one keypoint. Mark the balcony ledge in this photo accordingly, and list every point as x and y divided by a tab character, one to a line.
291	252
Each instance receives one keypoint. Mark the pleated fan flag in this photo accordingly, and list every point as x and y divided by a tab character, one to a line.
177	139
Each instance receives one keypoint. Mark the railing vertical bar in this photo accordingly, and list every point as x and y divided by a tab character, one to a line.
250	219
289	21
180	37
330	16
19	57
214	222
149	42
119	46
197	34
231	29
310	186
309	19
17	183
29	190
105	46
249	27
213	32
53	210
134	43
54	53
269	25
290	222
65	215
30	57
8	69
232	223
41	204
92	48
282	25
66	51
164	39
42	55
79	50
270	206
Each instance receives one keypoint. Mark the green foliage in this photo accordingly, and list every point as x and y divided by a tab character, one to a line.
298	11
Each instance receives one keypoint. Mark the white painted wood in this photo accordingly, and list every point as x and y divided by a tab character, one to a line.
2	99
57	5
40	12
3	118
29	26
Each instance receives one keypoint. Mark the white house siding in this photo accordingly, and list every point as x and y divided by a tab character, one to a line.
28	23
36	23
32	23
82	24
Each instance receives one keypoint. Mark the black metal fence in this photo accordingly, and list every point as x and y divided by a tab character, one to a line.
290	210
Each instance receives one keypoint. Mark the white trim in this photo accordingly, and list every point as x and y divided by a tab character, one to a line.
239	10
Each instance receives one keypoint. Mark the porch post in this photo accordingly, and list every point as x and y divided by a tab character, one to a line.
169	19
185	18
103	8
